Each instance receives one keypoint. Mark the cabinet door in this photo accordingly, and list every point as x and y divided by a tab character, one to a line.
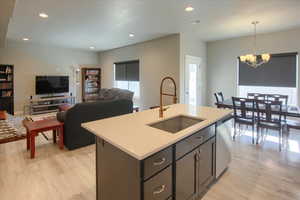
206	164
118	174
186	176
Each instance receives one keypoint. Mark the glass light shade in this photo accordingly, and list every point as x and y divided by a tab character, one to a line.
265	57
243	58
252	58
248	57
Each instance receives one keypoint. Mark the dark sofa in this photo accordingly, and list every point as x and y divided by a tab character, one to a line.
74	135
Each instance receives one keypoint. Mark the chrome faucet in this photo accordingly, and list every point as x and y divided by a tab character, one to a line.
161	109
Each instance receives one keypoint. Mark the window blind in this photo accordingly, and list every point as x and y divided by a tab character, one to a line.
280	71
127	71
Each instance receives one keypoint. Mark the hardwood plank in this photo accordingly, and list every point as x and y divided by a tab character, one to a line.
256	172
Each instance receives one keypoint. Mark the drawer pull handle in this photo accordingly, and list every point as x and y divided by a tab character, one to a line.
159	190
200	137
159	162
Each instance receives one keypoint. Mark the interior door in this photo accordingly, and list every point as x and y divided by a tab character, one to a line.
192	80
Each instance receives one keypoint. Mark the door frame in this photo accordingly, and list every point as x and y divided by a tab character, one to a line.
196	60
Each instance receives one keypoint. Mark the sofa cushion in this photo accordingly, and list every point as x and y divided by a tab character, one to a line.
114	94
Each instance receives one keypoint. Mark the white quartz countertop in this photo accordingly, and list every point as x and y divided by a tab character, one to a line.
131	133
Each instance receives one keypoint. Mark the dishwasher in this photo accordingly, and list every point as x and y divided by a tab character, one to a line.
223	145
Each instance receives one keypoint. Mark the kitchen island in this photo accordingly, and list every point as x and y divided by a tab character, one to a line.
140	156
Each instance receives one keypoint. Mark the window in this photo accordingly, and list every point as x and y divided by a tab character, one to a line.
278	76
291	92
127	77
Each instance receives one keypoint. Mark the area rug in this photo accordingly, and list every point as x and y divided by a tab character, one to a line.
12	129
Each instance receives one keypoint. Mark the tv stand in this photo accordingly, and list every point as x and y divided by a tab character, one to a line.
49	104
54	96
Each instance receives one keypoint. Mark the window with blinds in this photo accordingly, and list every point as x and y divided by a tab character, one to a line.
280	71
127	77
127	71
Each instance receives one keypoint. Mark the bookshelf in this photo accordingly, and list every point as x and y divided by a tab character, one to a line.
91	84
7	88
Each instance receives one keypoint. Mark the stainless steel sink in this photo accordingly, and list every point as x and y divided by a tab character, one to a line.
175	124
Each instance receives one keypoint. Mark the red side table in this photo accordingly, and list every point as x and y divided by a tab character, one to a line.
33	128
65	107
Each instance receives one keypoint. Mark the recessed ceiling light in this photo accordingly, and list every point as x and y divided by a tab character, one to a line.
196	22
131	35
189	9
43	15
25	39
92	47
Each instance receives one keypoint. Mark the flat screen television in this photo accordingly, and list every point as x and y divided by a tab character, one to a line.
51	84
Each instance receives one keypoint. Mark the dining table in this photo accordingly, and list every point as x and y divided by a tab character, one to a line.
287	110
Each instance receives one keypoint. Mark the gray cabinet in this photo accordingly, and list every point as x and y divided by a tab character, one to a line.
118	174
182	171
206	164
157	162
159	187
193	141
195	171
186	176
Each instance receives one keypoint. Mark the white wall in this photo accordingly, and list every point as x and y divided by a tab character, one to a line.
30	60
191	45
222	58
158	58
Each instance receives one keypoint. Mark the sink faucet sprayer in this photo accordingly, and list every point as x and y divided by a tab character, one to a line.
161	109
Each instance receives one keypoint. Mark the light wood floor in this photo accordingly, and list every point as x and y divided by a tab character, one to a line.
256	172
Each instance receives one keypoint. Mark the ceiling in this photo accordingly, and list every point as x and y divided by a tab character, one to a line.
106	24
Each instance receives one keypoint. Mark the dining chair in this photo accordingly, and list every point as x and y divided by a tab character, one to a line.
252	95
243	113
278	97
269	116
219	98
260	97
291	124
257	96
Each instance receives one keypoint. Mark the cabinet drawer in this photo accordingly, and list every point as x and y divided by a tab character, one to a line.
194	140
157	162
159	187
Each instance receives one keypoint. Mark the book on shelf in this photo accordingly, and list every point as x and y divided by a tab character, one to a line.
6	93
9	78
7	70
5	85
92	72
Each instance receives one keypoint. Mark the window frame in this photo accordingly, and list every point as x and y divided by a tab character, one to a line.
237	88
136	99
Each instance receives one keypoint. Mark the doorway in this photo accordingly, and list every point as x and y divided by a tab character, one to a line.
192	80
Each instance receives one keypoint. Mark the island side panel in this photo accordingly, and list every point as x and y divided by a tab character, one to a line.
118	174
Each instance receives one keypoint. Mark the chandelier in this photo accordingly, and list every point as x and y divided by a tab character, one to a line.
255	60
